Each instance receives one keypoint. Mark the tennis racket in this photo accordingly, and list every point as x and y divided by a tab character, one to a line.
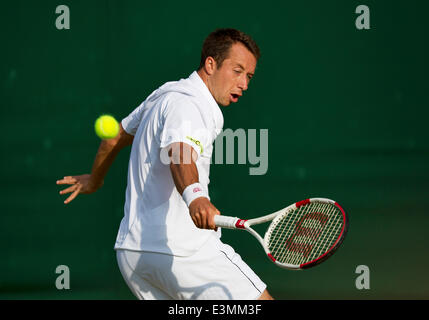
301	235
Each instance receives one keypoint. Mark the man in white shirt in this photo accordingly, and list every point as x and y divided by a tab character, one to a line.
167	245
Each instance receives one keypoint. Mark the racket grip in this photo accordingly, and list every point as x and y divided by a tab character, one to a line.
225	222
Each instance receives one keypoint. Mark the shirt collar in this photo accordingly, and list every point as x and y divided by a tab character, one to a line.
201	86
199	83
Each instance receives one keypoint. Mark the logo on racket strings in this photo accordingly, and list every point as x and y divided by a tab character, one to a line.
308	235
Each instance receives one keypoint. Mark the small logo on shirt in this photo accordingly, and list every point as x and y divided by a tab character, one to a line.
198	143
196	190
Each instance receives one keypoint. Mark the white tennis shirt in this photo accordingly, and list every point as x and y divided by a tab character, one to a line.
156	218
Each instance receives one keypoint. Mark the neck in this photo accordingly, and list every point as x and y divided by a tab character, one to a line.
204	76
206	79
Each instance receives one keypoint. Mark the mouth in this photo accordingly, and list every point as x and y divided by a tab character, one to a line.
234	97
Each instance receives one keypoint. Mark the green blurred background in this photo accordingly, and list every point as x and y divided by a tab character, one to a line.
346	111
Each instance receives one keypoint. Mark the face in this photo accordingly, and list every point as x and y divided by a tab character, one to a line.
228	82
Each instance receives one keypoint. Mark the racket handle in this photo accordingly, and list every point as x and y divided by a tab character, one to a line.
225	222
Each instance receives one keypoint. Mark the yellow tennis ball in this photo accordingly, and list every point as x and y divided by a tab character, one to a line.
106	127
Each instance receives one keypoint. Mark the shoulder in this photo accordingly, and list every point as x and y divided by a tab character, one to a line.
176	102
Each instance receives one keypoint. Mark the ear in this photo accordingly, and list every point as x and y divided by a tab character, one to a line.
210	65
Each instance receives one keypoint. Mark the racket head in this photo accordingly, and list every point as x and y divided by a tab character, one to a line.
306	233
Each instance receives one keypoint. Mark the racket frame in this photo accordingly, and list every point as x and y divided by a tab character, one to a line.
237	223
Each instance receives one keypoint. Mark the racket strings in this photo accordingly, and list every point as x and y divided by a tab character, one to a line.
330	234
332	231
282	234
297	247
305	233
278	238
324	239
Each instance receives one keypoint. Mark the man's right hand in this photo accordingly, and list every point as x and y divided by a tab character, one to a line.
79	184
202	212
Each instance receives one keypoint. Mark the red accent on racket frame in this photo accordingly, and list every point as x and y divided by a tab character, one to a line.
240	224
301	203
271	257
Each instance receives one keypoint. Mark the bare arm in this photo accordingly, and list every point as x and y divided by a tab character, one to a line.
185	173
106	154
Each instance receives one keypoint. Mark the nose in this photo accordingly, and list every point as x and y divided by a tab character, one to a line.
243	82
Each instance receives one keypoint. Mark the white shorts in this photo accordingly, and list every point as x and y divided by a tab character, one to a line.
215	272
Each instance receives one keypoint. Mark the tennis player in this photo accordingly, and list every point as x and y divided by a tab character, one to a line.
168	246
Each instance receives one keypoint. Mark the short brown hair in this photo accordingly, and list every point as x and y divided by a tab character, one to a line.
218	43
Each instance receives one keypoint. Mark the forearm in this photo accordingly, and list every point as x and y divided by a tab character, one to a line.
183	168
106	154
104	158
184	175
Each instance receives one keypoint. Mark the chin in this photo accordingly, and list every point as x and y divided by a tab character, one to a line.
223	103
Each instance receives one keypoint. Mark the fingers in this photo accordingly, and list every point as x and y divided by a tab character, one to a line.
67	180
203	215
72	196
69	189
75	188
201	221
196	218
209	219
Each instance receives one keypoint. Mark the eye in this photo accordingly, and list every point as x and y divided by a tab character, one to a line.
237	71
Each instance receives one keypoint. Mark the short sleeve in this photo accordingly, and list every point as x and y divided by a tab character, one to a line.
132	121
183	123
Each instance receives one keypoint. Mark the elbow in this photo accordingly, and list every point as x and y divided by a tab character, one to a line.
122	139
181	153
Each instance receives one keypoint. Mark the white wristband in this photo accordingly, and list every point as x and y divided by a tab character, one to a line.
192	192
